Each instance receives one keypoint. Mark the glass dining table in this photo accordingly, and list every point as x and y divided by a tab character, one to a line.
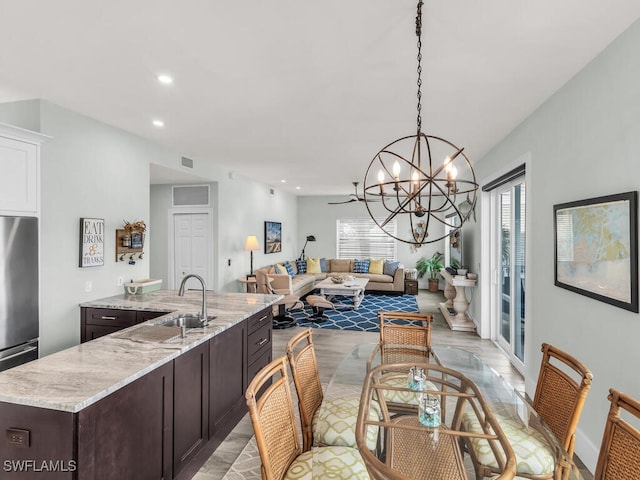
424	400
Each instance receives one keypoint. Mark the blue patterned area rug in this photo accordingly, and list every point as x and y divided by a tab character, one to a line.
365	318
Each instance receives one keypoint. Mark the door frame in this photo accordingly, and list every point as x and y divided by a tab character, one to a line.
171	226
489	250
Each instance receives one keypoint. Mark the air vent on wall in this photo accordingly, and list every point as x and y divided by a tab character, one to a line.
191	196
272	191
187	162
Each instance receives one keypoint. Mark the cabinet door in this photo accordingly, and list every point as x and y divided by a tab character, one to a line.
227	355
128	434
96	322
190	405
19	179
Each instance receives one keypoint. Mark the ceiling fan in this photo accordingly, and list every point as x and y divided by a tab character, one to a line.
354	196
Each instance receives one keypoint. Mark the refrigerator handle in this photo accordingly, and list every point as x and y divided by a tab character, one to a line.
21	352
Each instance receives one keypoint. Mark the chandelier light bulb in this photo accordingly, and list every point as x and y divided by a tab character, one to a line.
396	170
453	171
381	176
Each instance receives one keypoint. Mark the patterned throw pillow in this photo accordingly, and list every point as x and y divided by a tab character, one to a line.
390	267
323	265
375	266
313	265
289	268
360	266
302	266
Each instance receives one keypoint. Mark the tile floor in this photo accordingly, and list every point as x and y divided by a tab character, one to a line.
332	345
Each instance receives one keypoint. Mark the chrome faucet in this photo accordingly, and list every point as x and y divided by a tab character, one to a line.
203	315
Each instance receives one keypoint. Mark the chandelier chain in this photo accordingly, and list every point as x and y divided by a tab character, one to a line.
419	82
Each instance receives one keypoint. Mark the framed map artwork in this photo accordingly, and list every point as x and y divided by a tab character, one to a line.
596	248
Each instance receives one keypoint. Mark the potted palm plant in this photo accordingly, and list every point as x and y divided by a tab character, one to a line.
432	266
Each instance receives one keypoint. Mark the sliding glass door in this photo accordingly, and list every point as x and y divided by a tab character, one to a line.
509	201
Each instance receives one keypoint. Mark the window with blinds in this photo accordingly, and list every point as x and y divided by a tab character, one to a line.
362	238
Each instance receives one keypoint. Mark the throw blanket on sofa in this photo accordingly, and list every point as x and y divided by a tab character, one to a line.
365	318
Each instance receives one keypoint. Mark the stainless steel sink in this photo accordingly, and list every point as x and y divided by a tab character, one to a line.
186	321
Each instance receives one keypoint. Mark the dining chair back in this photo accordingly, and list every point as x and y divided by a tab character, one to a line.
273	419
619	457
404	328
562	388
306	378
324	421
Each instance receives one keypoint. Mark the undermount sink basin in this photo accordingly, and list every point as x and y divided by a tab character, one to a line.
188	321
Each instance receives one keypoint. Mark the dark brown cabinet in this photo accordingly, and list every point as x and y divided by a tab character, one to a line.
190	405
411	287
97	322
128	434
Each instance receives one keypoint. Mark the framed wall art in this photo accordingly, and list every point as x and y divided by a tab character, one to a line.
596	248
272	237
91	242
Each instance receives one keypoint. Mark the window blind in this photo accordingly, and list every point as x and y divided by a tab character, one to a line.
361	238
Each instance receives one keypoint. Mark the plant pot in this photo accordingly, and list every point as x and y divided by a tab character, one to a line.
433	284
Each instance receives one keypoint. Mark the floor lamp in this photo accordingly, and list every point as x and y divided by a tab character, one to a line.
251	244
310	238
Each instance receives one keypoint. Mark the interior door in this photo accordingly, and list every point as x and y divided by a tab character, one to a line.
510	268
192	247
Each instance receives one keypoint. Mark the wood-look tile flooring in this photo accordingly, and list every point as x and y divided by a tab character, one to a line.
332	346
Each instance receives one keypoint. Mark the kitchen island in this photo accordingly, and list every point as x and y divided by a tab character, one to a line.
127	405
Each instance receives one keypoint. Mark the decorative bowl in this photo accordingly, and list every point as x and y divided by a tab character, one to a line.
341	278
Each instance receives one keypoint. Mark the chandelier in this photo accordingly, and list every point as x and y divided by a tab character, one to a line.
421	176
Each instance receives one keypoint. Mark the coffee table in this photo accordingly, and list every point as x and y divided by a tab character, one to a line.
350	288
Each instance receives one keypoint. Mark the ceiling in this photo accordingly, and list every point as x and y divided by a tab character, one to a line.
299	90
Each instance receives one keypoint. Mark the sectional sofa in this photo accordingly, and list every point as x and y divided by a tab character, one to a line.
296	279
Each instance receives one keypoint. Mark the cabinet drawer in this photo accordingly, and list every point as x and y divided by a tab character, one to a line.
259	320
258	342
110	317
260	362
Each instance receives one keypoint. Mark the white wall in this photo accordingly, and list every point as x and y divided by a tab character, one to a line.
317	218
90	169
584	142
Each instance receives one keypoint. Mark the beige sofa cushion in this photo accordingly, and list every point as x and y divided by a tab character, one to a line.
341	265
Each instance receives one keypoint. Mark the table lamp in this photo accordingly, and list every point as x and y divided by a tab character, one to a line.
251	244
310	238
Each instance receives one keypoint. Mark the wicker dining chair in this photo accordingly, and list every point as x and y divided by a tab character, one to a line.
274	424
403	336
619	457
562	388
324	421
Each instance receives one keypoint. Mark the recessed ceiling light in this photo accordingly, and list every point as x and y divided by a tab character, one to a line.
283	181
166	79
297	188
158	123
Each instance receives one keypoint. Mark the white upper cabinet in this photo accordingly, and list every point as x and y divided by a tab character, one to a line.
19	171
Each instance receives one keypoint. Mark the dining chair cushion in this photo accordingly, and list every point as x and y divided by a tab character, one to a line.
328	462
405	397
529	445
334	423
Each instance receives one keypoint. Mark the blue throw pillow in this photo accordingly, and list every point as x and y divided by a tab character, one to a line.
289	268
302	266
361	266
390	267
323	265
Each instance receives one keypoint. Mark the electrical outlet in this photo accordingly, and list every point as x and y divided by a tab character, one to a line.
88	286
18	437
120	281
229	262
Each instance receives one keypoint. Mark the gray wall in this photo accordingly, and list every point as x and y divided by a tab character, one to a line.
584	142
90	169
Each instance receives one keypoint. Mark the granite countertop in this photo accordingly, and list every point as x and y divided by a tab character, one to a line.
79	376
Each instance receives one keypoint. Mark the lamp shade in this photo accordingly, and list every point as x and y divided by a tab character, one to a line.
251	243
311	238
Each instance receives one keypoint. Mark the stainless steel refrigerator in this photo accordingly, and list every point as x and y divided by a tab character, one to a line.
19	322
